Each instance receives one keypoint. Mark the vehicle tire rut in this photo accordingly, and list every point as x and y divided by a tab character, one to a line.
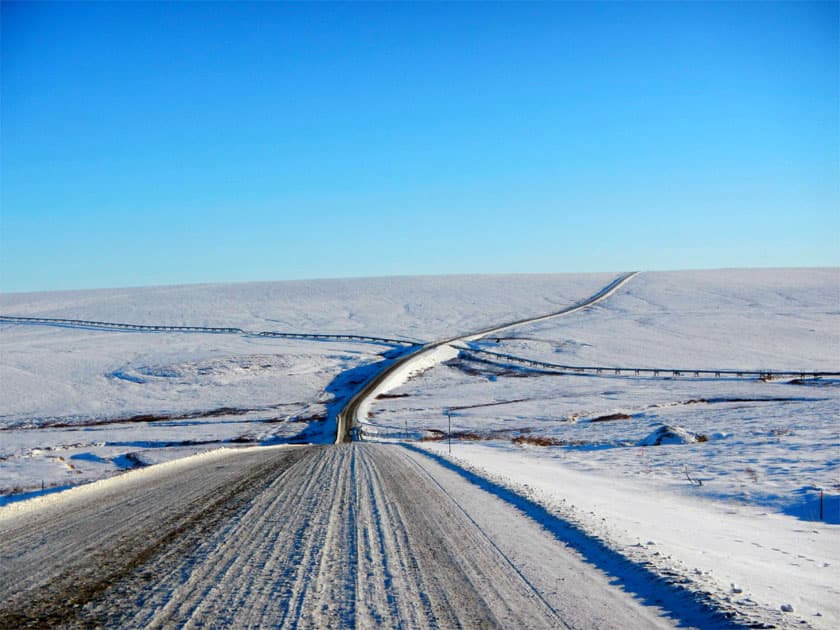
55	565
352	535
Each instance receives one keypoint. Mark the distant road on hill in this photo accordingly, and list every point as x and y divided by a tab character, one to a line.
348	417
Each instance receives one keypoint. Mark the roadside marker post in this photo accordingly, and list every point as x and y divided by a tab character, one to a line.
821	504
449	415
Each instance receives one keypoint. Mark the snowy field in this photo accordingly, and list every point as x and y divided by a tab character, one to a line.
81	404
712	480
766	442
691	474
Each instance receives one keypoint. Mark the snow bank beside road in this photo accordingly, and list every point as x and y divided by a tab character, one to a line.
118	484
746	557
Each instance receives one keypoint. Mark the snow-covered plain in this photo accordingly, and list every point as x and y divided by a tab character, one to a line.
745	454
731	504
78	404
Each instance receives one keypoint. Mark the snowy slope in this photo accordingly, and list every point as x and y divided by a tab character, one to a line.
784	319
88	391
421	308
733	496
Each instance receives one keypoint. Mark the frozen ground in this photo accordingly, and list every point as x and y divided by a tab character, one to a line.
79	404
770	443
733	490
728	503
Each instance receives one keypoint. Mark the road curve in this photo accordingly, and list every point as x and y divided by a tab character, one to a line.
347	417
356	535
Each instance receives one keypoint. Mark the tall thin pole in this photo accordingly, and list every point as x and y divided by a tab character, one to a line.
449	415
821	504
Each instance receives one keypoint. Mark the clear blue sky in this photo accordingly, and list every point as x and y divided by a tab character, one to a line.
176	143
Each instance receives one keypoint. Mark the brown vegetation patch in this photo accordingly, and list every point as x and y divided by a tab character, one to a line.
541	440
469	436
612	416
435	435
141	418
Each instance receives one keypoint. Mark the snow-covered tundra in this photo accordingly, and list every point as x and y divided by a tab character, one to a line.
727	485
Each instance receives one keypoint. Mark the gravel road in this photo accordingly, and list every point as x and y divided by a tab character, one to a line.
365	535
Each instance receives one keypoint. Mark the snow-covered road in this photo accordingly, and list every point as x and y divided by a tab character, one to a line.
398	372
365	535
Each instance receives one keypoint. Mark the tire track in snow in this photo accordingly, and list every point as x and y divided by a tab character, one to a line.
343	536
61	554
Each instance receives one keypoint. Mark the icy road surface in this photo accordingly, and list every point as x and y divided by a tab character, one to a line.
369	535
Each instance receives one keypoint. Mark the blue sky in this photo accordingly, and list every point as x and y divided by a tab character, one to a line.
175	143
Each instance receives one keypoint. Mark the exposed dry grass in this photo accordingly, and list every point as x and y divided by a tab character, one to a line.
541	440
469	436
536	440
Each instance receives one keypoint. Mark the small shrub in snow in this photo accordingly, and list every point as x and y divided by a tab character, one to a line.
612	416
434	435
536	440
539	440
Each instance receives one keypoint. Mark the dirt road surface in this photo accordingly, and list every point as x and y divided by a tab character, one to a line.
364	535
